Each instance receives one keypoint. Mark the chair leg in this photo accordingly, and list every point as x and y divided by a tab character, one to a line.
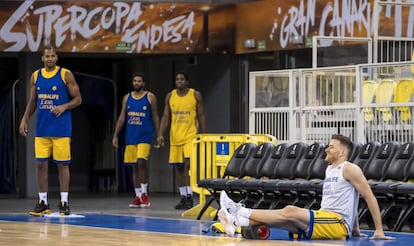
206	205
405	213
310	203
258	202
362	210
387	213
275	203
364	216
386	209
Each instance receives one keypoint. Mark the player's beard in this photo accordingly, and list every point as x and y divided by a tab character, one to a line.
138	88
329	158
50	65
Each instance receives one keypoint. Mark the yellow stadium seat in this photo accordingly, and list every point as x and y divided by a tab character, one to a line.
412	66
403	92
384	94
368	93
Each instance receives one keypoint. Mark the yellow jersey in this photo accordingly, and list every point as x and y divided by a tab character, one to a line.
183	117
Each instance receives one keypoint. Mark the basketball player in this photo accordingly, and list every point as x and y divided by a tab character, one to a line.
54	93
336	219
140	113
184	109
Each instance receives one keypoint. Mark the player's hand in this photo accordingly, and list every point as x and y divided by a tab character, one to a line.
357	233
23	129
115	142
58	110
160	141
379	235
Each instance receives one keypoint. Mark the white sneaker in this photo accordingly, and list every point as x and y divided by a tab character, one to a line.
228	204
229	213
228	221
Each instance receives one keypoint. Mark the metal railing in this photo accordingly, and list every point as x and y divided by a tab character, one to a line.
359	101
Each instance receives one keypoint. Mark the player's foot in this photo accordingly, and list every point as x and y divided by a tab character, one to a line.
64	208
145	201
40	209
136	203
228	213
228	204
181	203
228	221
189	202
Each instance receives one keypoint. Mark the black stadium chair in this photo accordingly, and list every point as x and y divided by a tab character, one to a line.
393	175
317	170
310	171
403	193
362	159
233	169
405	200
366	154
291	157
356	147
252	187
269	166
255	161
249	170
283	171
373	171
304	169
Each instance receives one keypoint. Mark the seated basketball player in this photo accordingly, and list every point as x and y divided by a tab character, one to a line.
337	217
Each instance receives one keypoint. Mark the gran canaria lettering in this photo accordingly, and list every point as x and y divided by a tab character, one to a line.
338	18
46	104
57	25
134	121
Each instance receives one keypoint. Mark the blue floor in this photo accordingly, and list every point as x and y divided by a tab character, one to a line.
181	226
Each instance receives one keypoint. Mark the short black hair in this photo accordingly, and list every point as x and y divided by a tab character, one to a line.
184	74
345	141
139	74
48	47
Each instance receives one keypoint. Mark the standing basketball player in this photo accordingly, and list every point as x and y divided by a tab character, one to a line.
54	93
184	107
140	112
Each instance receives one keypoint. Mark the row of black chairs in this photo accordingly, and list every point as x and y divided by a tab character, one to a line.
258	175
389	169
268	176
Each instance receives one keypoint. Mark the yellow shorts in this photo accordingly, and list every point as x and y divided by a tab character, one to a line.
59	147
324	225
133	153
180	152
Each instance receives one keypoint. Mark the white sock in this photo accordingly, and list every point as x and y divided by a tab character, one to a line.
64	196
144	188
183	191
43	197
138	192
189	191
242	217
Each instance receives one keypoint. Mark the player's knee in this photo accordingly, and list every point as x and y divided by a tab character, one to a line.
62	168
288	211
180	169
